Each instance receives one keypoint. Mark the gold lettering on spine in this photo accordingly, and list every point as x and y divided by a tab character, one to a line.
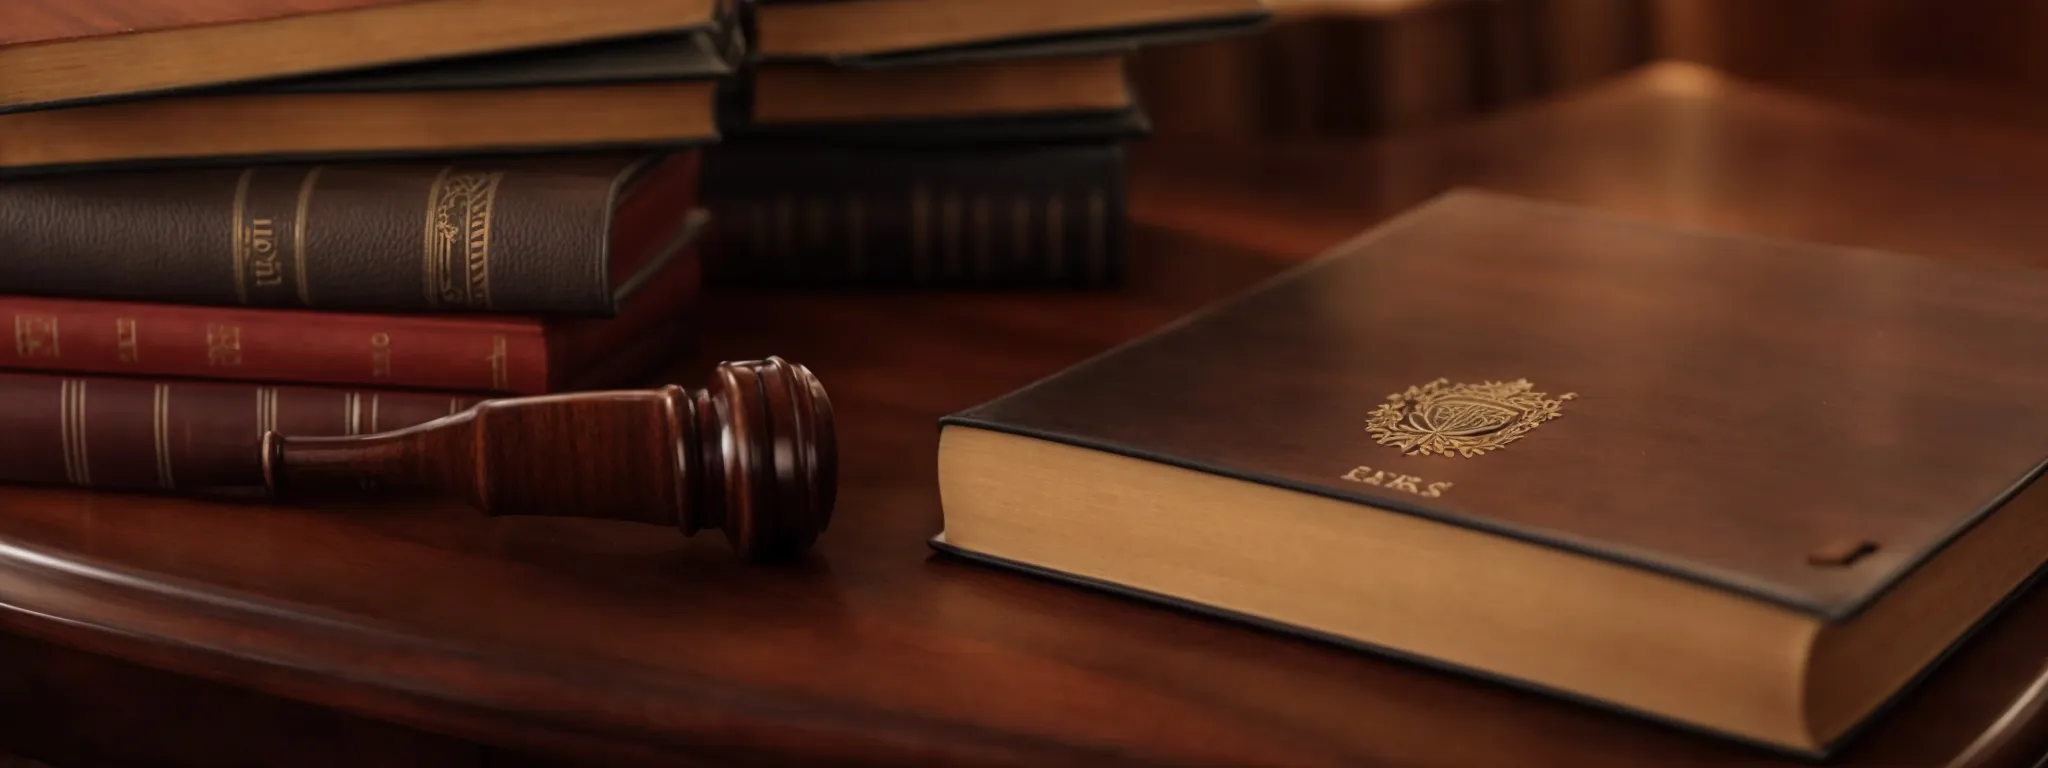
299	235
260	241
36	336
500	378
454	405
223	345
237	245
380	354
160	411
126	339
351	413
458	239
71	430
373	412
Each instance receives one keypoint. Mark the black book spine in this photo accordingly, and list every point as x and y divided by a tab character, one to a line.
1032	217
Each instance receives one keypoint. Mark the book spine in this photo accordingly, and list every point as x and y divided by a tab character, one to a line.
460	354
993	218
113	433
358	237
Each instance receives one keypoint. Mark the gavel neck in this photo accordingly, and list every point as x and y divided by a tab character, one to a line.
417	457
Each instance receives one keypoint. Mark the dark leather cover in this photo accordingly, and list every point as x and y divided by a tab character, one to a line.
1740	403
522	235
1081	43
692	49
693	56
735	125
989	217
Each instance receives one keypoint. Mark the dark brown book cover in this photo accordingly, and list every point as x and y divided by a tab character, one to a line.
789	214
1800	426
504	354
567	235
56	52
893	33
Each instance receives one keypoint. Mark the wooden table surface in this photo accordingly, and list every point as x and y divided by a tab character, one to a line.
170	632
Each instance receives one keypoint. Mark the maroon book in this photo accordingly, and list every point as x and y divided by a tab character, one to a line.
521	355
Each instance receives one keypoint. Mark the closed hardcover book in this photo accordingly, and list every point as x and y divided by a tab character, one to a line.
659	91
62	52
967	217
891	33
555	235
1751	487
514	355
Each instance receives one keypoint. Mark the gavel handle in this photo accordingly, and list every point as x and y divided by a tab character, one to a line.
390	459
2019	737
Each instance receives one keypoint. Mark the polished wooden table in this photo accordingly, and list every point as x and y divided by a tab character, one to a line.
149	630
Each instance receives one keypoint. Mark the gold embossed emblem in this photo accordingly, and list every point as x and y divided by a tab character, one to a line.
1441	418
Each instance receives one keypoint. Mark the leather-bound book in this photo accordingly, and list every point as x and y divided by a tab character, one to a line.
825	95
560	235
55	52
648	92
1756	488
961	217
876	33
516	355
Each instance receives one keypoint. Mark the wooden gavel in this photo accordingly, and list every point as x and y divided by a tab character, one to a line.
752	455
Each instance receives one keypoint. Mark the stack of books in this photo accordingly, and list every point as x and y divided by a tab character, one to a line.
337	216
937	143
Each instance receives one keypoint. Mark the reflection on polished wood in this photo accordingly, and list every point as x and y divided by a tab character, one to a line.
591	641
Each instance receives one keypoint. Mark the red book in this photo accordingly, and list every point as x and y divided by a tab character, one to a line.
468	353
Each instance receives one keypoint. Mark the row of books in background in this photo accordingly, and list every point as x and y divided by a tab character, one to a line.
346	216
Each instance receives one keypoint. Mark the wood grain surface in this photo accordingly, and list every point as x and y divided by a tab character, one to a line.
42	21
592	642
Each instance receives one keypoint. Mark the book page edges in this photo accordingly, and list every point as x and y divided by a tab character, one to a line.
1464	597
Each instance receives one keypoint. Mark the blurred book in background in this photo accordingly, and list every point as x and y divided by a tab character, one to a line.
957	143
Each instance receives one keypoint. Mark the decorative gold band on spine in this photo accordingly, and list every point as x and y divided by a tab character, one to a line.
71	432
266	409
160	412
351	413
238	241
299	235
373	413
430	265
457	243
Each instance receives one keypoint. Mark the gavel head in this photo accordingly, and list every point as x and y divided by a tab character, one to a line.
761	457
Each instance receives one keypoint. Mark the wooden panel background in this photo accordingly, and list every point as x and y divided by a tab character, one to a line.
1334	68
